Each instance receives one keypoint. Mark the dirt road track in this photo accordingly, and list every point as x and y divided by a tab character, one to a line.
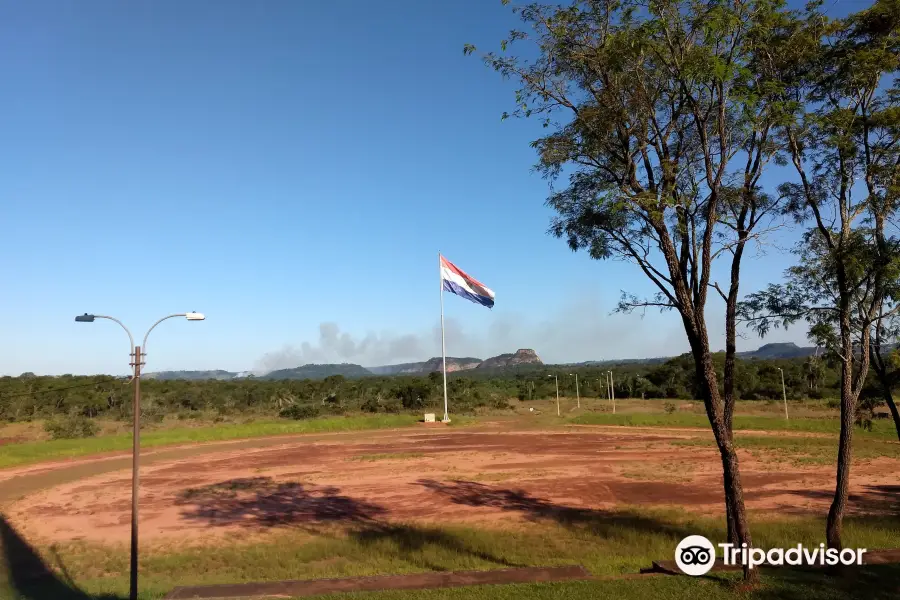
485	476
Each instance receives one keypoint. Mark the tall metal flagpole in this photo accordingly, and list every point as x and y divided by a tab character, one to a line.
443	343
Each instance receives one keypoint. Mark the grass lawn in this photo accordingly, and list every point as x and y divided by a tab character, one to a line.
881	429
633	413
872	583
20	454
801	451
605	542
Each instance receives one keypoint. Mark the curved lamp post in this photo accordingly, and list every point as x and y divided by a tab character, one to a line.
137	355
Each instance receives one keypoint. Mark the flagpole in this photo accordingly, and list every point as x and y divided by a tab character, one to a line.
443	343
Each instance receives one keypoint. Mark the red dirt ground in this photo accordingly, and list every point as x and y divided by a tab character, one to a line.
462	476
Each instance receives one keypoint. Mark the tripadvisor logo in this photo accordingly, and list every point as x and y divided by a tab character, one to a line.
695	555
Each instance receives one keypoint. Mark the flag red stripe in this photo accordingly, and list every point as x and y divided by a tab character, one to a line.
460	272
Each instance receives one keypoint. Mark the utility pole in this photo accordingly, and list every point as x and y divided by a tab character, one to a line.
784	395
556	377
577	393
612	391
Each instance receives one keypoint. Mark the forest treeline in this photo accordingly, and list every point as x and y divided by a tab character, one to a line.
28	397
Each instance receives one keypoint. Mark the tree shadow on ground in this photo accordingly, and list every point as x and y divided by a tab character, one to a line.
871	499
600	522
869	582
412	543
260	501
29	577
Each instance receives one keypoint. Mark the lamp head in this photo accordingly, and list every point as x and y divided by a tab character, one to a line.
85	318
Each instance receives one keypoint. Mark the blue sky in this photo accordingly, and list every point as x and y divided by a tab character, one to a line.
291	169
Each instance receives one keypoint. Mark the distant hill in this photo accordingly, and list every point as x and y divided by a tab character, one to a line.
194	375
433	364
657	360
348	370
521	357
413	367
779	350
453	364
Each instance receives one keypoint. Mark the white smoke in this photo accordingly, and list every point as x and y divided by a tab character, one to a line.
582	330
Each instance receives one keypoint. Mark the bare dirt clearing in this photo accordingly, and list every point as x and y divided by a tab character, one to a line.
463	476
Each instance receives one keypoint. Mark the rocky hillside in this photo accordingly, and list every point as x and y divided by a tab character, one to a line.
453	364
521	357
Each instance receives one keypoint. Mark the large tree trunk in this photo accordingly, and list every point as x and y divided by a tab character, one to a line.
884	380
834	525
730	366
889	399
739	530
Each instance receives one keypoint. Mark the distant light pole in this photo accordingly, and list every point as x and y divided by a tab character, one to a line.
612	391
784	395
577	393
557	392
137	361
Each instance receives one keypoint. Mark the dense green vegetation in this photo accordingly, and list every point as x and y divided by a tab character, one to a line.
29	397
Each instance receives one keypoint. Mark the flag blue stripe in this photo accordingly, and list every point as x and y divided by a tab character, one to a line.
453	288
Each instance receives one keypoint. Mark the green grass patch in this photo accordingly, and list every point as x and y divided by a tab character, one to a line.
605	542
881	429
872	583
30	452
804	451
387	456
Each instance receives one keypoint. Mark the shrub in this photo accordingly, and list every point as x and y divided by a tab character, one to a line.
669	407
392	406
499	402
371	405
413	396
67	428
299	411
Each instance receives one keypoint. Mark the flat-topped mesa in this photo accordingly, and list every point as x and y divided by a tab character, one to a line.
523	356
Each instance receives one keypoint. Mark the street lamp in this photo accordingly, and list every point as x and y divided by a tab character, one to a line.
577	394
612	391
784	395
557	392
137	361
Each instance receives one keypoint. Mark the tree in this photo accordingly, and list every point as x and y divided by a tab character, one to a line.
662	112
886	363
842	132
